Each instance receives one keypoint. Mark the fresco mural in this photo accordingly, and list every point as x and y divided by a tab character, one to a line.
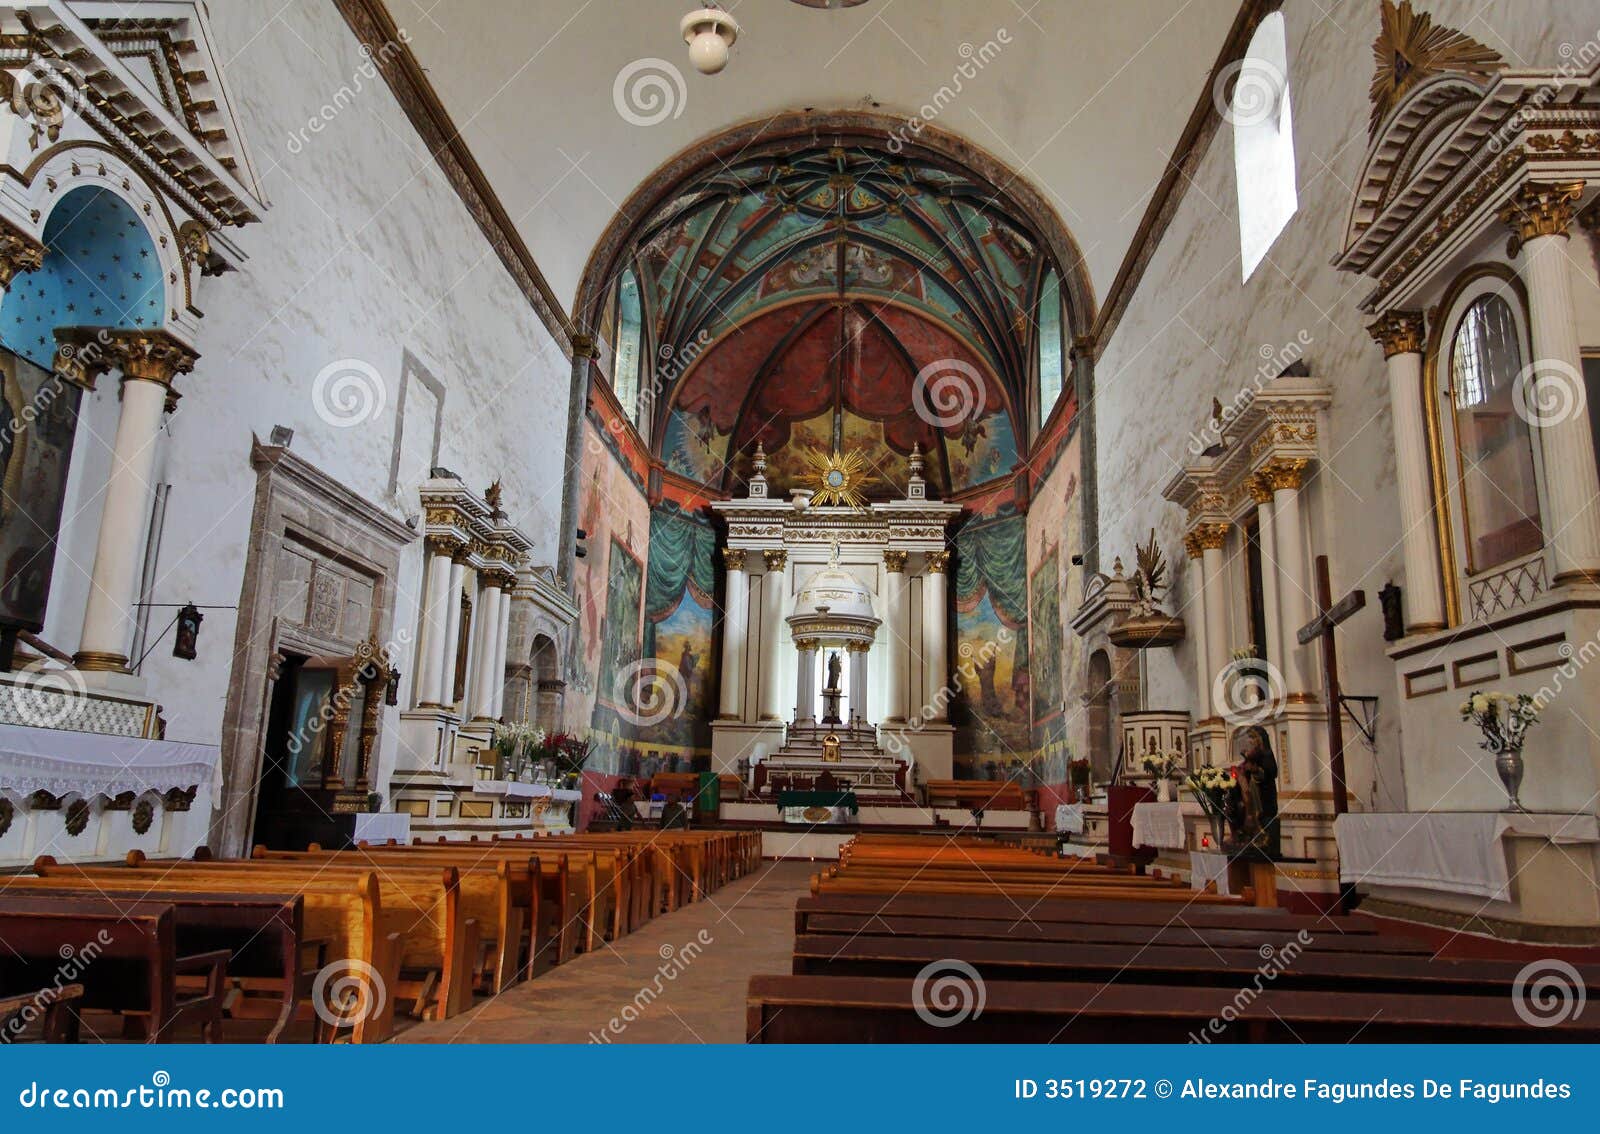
680	615
992	714
1059	664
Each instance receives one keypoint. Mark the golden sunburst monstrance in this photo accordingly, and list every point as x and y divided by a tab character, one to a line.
838	479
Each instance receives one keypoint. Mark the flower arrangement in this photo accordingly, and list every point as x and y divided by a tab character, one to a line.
567	752
1504	718
515	744
1162	765
1212	786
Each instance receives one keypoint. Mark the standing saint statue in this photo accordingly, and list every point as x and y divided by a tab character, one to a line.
831	693
833	673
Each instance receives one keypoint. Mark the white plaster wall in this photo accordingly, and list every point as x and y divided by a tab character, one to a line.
1193	332
366	252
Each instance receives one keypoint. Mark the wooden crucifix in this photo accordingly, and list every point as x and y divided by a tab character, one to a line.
1329	615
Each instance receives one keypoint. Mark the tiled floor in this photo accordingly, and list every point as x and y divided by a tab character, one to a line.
680	979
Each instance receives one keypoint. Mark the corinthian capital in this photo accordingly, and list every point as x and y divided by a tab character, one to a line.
1397	332
1542	208
19	252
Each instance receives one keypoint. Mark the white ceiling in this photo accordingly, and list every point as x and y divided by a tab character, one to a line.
1086	100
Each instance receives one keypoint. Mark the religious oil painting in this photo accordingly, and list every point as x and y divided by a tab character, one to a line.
992	633
37	418
680	617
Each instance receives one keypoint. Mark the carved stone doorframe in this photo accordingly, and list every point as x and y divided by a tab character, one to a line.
320	578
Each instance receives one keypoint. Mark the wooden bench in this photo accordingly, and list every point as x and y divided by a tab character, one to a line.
55	1006
835	1009
976	795
263	934
128	960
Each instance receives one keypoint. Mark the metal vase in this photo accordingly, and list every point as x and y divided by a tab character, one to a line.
1217	831
1508	763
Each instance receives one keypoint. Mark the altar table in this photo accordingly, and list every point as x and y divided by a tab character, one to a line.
1159	825
803	799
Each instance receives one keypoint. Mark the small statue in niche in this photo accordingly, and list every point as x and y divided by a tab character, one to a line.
834	666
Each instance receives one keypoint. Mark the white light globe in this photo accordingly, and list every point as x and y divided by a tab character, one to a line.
708	52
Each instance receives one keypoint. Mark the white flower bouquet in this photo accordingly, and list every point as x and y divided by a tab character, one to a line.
1503	718
1162	765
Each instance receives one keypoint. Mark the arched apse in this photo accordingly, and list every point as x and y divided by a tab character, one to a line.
101	269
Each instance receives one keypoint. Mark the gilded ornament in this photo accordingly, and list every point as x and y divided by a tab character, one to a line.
1212	536
1541	209
937	561
1397	332
838	479
1409	49
777	559
1286	472
733	558
19	252
894	561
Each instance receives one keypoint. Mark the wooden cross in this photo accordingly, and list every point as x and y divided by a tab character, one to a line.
1329	615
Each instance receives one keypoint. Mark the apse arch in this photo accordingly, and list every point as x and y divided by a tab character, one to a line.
932	254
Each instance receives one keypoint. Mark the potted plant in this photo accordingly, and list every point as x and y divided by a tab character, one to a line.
1162	767
1213	787
1504	719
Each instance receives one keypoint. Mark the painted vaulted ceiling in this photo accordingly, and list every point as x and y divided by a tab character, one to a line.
825	279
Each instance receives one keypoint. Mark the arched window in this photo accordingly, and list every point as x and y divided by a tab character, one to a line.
1263	142
625	359
1052	351
1494	445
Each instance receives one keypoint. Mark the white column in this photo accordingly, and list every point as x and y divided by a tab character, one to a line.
735	624
497	676
1400	335
1267	542
1213	584
431	650
1197	604
1541	216
773	637
858	685
935	661
898	633
486	613
1294	581
149	360
805	696
452	631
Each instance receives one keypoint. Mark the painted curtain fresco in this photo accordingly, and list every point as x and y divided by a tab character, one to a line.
680	613
1059	666
991	587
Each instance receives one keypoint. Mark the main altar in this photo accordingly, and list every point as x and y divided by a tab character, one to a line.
835	664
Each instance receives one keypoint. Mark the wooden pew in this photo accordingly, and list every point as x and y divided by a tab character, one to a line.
263	934
497	890
899	925
976	795
129	960
55	1005
837	1009
416	910
1228	967
1022	894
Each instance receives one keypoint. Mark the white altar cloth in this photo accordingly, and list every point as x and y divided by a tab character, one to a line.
92	763
1209	866
1159	825
378	827
1460	852
1069	818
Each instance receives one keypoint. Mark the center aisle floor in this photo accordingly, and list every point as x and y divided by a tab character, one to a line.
748	928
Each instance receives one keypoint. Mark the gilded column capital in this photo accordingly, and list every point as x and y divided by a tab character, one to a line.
447	545
141	354
1260	490
19	252
803	644
1541	208
937	561
733	558
894	561
1191	545
776	558
1397	332
1212	536
1285	472
857	647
